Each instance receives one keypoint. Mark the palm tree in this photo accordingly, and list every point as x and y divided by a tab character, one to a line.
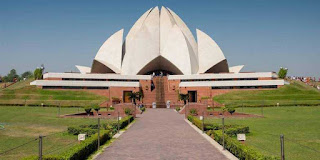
184	97
134	96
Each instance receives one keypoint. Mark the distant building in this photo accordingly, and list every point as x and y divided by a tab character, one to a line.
159	43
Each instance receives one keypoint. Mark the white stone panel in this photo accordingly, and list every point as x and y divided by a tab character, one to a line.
235	69
209	52
85	83
177	51
137	25
223	76
166	24
186	31
96	76
110	53
83	69
231	83
144	46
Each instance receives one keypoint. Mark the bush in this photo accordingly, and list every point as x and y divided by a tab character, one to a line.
79	151
193	111
177	109
127	111
143	109
79	130
87	147
241	151
96	107
233	131
88	110
231	110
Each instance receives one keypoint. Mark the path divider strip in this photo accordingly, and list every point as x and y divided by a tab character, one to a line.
213	142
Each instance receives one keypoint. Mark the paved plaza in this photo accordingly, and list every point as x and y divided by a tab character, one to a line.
161	134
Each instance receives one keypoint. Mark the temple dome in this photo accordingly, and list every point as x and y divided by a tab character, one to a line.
159	40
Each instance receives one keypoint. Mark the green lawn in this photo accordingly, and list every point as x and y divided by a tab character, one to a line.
300	126
23	124
297	93
21	93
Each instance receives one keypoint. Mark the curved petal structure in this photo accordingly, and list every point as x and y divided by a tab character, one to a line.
83	69
109	55
144	46
159	40
179	56
236	69
211	58
166	24
190	39
136	27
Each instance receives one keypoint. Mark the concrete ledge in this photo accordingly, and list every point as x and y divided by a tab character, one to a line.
213	142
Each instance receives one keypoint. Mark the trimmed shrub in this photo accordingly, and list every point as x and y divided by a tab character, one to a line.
127	111
88	109
193	111
87	147
233	131
79	151
177	109
231	110
241	151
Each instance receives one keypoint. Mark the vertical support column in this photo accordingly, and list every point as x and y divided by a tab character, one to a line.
202	121
98	133
223	134
282	146
118	122
40	147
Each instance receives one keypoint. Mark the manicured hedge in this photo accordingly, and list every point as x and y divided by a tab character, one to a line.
79	151
241	151
92	129
87	147
233	131
230	129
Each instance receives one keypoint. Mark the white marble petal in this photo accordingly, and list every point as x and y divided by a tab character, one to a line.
166	24
191	40
177	51
144	46
235	69
83	69
110	53
209	52
137	25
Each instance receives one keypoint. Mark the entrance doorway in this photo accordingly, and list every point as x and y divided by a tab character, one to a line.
192	96
126	96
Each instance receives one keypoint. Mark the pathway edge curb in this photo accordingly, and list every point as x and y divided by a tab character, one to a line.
213	142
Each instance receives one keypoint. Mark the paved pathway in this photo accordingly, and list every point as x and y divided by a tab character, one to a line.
161	134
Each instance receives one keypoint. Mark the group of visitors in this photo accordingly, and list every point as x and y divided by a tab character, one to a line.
311	81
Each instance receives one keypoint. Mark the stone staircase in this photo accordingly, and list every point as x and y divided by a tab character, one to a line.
160	84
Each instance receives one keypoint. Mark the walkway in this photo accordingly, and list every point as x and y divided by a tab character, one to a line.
161	134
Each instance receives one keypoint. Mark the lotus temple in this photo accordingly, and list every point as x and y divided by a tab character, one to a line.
161	58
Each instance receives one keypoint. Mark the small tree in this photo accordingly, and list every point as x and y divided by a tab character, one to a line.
88	109
282	73
231	110
127	111
134	96
96	107
193	111
27	74
37	73
184	98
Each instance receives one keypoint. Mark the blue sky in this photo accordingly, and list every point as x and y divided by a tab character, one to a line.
261	34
